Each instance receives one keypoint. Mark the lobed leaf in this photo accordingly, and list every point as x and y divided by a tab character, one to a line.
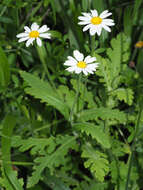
95	131
42	90
96	161
102	113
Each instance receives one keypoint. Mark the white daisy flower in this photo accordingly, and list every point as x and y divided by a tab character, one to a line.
80	64
95	23
34	34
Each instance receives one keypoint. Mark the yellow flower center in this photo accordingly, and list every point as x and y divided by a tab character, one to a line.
34	34
81	64
96	20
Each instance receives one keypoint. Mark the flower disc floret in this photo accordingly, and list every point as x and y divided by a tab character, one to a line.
96	20
95	23
79	64
34	33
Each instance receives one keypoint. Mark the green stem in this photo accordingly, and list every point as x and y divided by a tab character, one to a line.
132	149
76	100
84	91
42	54
92	44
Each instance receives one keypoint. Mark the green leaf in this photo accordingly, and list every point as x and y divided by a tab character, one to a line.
95	131
56	182
52	152
136	10
111	67
4	69
127	21
43	90
102	113
100	5
36	145
125	94
6	20
56	34
85	5
96	161
9	175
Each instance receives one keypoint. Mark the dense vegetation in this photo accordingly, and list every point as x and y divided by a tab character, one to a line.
67	131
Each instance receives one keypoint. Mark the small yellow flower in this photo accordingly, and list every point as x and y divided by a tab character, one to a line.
139	44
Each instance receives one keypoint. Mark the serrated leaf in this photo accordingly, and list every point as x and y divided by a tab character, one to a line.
53	160
95	131
125	94
96	161
111	67
42	90
36	145
102	113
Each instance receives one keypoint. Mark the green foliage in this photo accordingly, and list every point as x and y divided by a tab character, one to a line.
4	69
54	154
43	90
125	94
97	162
102	113
9	180
95	131
60	130
110	69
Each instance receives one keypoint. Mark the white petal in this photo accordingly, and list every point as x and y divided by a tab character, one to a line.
22	35
78	70
89	59
87	15
99	28
105	15
23	39
85	72
72	59
70	63
34	26
42	29
94	13
79	56
87	27
39	42
84	22
106	27
89	70
93	30
92	66
108	22
45	35
30	41
71	69
27	29
83	18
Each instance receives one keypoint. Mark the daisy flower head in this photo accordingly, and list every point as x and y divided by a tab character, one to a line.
80	64
34	33
95	22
